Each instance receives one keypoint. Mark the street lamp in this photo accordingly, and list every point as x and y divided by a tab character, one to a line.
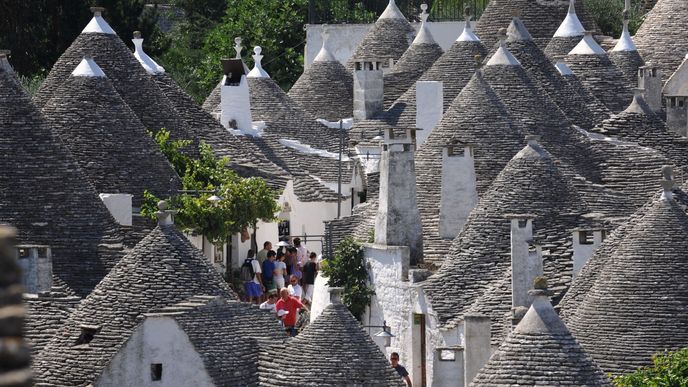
386	332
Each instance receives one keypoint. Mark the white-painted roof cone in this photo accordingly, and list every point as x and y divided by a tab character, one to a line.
88	68
98	24
625	42
571	26
467	35
588	46
146	61
257	71
503	56
392	12
324	55
424	34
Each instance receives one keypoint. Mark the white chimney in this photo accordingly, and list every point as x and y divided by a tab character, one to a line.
429	107
146	61
368	90
526	259
477	346
650	79
235	103
398	220
37	268
458	193
119	206
585	243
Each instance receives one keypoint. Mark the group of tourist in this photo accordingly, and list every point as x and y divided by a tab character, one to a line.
282	281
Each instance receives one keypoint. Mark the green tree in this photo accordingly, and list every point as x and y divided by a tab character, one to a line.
347	269
243	201
669	369
608	15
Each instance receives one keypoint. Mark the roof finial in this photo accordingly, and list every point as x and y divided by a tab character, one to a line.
572	7
532	139
540	287
625	42
324	55
336	295
5	53
516	12
257	71
97	11
667	183
146	61
424	14
392	11
237	47
478	61
502	37
467	34
165	216
88	68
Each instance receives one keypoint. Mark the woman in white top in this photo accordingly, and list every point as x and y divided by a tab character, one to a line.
279	272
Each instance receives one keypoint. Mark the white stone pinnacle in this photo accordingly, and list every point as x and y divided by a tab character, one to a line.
324	55
392	12
88	68
625	42
257	71
571	26
424	34
146	61
587	46
237	47
98	25
467	35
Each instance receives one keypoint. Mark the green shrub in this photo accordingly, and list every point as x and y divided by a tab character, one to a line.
348	270
668	369
608	15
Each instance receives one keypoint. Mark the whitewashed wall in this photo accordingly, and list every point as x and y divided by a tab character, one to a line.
157	340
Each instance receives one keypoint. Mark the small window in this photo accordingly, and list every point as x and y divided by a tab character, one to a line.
23	252
680	102
88	333
673	101
585	238
156	372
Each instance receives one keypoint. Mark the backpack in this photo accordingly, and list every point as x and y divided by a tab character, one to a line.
247	272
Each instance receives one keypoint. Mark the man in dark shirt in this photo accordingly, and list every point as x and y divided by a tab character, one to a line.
400	368
310	271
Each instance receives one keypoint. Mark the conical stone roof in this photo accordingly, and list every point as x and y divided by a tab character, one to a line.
638	304
419	57
539	67
162	270
106	138
131	81
47	197
599	74
567	36
325	89
662	38
626	57
541	18
531	183
454	69
638	123
337	333
540	351
594	105
478	117
387	41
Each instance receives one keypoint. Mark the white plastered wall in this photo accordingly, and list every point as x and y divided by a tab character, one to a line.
158	340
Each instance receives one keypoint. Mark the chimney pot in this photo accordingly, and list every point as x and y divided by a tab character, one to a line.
336	295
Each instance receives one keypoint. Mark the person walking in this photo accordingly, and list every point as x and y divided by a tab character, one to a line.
401	370
310	272
268	270
263	254
271	302
294	288
251	275
287	308
279	272
301	252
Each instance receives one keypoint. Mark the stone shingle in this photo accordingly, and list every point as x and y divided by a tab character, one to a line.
162	270
47	197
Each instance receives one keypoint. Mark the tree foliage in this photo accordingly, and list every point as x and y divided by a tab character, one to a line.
347	269
244	201
608	15
669	369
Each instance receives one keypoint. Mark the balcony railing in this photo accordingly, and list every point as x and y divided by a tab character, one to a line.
367	11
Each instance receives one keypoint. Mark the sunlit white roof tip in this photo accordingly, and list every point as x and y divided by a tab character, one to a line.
468	35
98	24
503	57
88	68
587	46
571	26
146	61
257	71
392	12
625	42
517	31
424	35
563	68
325	55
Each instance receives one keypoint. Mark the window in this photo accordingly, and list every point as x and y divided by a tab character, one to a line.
23	252
680	102
88	333
156	372
585	238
